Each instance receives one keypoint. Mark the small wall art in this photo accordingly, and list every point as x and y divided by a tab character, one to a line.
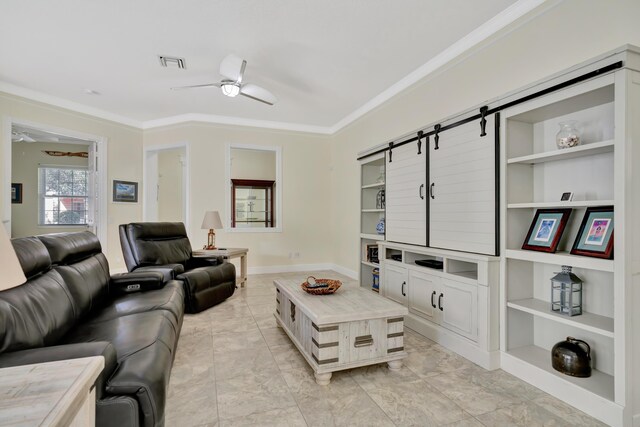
16	192
125	191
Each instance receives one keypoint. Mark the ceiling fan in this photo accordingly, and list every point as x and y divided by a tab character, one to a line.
232	68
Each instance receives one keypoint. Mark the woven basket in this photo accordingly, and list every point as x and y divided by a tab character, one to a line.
332	286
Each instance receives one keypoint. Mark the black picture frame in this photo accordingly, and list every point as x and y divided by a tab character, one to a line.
543	239
125	191
372	254
589	241
16	192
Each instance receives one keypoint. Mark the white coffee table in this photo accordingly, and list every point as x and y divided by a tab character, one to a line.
351	328
227	254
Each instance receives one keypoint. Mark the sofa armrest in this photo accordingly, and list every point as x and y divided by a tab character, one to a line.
64	352
137	281
197	262
171	271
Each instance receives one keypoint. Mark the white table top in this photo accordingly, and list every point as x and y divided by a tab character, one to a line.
349	303
46	394
220	252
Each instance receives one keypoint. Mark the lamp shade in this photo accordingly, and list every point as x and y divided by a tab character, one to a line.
12	274
211	220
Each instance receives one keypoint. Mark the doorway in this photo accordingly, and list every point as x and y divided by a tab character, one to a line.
55	184
165	184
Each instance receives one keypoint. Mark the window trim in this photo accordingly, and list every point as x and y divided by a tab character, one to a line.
42	196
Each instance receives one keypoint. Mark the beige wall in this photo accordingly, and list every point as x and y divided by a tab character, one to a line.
170	185
26	158
253	164
570	33
305	196
124	156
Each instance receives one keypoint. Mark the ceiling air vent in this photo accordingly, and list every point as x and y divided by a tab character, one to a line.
167	61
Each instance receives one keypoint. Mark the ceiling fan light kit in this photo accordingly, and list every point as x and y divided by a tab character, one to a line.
230	89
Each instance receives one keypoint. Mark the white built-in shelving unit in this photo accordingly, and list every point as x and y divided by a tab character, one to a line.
372	174
600	172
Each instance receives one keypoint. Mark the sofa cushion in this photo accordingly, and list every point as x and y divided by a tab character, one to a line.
207	286
145	344
68	248
169	298
158	243
33	256
35	314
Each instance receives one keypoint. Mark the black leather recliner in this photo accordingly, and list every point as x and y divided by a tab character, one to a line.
165	247
70	307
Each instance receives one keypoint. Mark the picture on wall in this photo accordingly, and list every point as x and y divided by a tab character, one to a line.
125	191
595	237
546	229
16	193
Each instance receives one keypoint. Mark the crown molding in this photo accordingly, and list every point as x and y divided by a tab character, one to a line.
480	34
37	96
234	121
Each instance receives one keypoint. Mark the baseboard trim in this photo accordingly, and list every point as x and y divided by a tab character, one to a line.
636	420
270	269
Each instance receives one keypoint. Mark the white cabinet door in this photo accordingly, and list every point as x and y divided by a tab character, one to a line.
462	205
395	283
458	303
406	205
423	294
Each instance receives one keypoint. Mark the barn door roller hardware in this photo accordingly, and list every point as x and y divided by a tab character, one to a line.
390	151
436	137
485	111
483	120
420	133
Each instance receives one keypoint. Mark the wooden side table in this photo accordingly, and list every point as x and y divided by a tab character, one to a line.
57	393
227	254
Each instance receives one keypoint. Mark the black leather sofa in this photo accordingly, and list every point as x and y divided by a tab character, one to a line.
165	247
70	307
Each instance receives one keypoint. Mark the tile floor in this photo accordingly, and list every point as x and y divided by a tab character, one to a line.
234	367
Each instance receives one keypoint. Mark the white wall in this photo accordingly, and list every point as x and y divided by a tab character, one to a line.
305	190
170	185
253	164
124	156
571	32
26	158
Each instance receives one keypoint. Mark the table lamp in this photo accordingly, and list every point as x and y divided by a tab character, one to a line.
12	274
211	221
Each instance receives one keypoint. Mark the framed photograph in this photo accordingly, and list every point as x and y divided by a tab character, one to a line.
16	193
372	254
566	197
546	229
595	237
125	191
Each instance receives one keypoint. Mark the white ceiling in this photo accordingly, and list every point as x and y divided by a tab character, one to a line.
326	61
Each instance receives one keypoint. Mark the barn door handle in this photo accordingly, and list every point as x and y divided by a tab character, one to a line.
433	304
440	302
402	289
433	184
420	191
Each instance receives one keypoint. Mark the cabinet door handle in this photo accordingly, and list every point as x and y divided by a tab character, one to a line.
292	311
420	191
433	304
402	289
440	302
431	190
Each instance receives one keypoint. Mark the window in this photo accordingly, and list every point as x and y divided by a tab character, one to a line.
63	197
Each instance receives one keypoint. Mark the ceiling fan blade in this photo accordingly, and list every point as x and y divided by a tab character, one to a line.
258	93
192	86
232	67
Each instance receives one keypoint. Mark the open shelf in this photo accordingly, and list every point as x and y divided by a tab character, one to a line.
372	236
598	383
561	258
559	204
567	153
371	264
587	321
374	185
372	210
